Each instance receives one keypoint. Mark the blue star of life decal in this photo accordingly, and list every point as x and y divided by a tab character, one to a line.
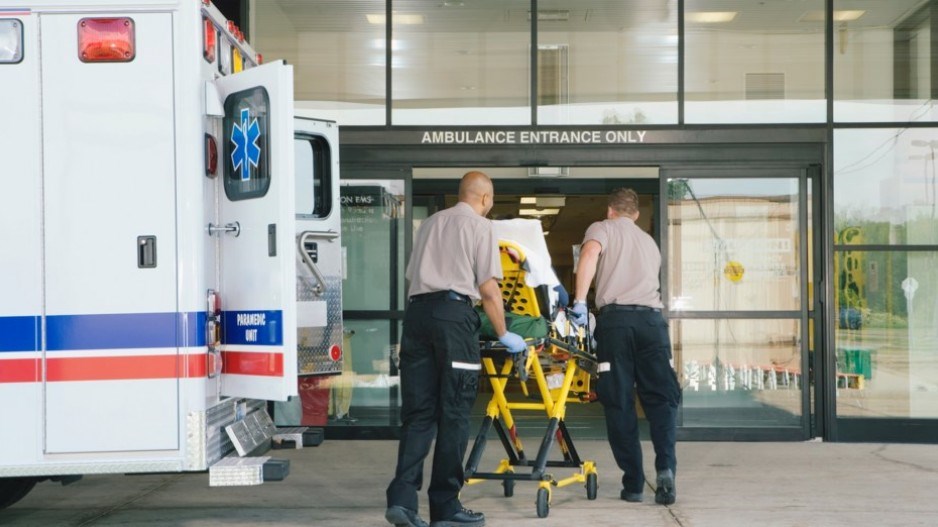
246	153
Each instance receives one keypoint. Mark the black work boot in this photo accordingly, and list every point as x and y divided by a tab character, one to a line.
463	518
403	517
665	494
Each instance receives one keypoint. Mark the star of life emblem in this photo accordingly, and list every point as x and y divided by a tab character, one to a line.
246	152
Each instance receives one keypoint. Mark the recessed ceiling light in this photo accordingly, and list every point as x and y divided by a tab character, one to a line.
551	15
528	200
538	212
710	17
397	18
839	16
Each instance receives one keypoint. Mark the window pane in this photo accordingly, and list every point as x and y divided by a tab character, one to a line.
754	62
885	186
883	61
313	176
246	123
887	304
372	230
607	62
733	247
739	372
457	63
304	166
338	54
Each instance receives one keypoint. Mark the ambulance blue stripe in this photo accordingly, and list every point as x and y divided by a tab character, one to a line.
126	330
136	330
19	333
259	328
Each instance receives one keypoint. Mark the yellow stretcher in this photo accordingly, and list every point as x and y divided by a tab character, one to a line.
561	365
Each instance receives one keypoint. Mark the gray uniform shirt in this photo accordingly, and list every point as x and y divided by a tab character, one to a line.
455	249
629	263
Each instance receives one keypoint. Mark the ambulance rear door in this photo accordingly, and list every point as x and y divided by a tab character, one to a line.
319	248
257	275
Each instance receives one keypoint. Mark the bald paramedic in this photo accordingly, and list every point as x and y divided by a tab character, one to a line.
633	344
454	263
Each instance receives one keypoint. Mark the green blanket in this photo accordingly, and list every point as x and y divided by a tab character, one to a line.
527	327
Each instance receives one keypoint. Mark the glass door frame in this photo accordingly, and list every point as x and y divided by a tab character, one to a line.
808	305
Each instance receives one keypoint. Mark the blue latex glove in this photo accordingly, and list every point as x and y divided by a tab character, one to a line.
579	314
513	342
562	297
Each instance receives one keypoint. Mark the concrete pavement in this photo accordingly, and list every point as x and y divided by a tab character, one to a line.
341	484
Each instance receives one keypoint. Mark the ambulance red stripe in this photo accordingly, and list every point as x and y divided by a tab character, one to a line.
252	363
64	369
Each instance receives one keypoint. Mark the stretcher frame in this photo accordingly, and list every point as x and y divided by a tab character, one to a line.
568	356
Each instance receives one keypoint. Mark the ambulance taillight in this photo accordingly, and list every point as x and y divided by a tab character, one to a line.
11	41
209	39
106	40
335	353
211	156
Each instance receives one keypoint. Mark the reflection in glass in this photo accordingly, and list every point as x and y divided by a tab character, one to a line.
886	333
362	394
885	186
372	231
337	51
882	61
607	62
733	247
739	372
754	62
479	56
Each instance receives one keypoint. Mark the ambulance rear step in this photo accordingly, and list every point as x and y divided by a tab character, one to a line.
251	435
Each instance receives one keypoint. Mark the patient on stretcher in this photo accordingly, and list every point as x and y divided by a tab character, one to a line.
530	288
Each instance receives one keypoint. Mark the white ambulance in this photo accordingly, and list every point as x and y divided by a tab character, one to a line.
169	239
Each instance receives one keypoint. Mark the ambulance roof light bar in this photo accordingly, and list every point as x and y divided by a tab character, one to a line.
235	37
11	41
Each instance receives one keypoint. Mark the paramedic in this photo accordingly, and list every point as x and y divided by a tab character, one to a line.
455	261
634	347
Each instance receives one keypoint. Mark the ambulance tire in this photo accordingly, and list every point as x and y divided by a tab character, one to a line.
13	490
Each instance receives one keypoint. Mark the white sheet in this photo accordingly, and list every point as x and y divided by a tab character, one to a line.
530	238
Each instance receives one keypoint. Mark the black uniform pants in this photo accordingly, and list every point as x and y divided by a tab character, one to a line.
637	347
440	368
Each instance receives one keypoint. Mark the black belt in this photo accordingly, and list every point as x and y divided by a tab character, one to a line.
442	295
627	307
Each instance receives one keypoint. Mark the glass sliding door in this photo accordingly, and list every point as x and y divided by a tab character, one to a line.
737	291
364	399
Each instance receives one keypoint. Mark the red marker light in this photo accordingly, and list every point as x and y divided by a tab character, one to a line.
106	40
211	156
335	353
208	40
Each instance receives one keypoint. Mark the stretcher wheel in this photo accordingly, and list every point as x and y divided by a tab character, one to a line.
592	485
543	502
509	486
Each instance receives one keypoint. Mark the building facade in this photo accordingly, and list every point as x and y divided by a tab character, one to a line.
784	152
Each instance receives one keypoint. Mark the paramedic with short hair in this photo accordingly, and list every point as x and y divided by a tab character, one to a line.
455	262
633	344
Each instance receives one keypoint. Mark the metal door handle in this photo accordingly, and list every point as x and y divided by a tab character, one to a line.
233	228
320	287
